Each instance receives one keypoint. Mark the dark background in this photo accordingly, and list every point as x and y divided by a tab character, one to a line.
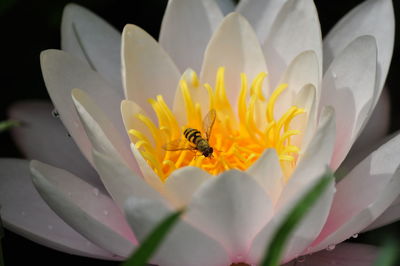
28	27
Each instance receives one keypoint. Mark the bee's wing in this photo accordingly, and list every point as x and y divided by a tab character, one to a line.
178	145
208	123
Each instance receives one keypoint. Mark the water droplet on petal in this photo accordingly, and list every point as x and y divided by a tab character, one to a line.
50	227
96	191
331	247
354	236
301	259
105	212
334	75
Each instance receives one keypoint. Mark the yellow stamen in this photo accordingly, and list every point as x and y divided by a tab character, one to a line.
238	140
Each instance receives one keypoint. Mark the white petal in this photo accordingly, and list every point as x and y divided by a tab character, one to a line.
63	72
267	172
84	208
147	70
103	135
183	182
307	230
24	212
186	28
296	29
121	182
226	6
40	129
390	215
363	195
232	208
261	14
303	70
306	123
348	86
345	254
372	136
372	17
184	244
89	37
309	170
234	46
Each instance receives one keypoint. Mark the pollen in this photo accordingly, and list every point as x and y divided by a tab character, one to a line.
238	138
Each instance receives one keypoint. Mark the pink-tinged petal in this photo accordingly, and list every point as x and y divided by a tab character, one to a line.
186	28
390	215
24	212
372	136
234	46
183	182
231	208
147	70
363	195
84	208
307	230
348	86
184	244
267	172
63	72
41	136
102	133
121	182
261	14
89	37
296	29
372	17
345	254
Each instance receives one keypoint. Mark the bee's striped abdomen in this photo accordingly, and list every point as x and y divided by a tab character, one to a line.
192	135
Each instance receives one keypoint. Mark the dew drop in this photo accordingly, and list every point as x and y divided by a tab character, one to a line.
105	212
354	236
50	227
334	75
55	113
331	247
239	257
96	192
301	259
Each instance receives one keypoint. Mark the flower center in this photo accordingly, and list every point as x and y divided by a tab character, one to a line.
237	141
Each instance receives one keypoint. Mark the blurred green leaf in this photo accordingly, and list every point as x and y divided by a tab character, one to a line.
388	254
144	252
275	250
5	125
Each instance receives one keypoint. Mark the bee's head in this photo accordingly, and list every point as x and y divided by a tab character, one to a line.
208	152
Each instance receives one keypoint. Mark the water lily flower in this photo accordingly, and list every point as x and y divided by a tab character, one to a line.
282	105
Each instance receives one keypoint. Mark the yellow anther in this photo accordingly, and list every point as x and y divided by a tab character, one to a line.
272	100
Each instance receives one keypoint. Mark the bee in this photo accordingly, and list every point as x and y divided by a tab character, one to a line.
194	139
